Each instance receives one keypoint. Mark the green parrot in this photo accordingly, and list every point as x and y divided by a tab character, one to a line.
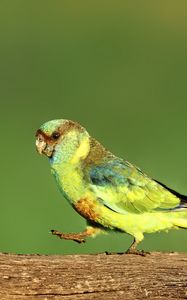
109	192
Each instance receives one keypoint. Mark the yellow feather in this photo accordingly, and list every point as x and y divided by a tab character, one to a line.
82	151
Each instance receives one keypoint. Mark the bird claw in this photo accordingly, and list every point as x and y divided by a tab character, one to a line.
79	240
130	251
113	253
137	252
69	236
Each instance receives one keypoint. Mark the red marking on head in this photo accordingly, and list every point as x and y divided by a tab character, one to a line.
62	130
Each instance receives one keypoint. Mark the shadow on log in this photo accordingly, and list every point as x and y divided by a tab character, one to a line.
101	276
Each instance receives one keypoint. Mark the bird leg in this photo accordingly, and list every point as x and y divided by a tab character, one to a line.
77	237
132	249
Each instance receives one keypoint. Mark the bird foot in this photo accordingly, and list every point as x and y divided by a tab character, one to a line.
76	237
130	251
137	252
113	253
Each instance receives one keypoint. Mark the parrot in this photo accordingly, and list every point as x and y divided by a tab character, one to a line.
109	192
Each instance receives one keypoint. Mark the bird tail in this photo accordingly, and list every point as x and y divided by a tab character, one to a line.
183	198
180	218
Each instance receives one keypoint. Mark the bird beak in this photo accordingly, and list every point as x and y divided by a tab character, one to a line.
43	147
40	144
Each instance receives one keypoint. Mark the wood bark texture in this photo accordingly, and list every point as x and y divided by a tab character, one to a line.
100	276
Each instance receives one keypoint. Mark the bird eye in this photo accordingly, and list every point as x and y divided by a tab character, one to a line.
55	135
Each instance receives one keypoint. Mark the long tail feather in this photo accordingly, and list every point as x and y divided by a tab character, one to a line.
183	198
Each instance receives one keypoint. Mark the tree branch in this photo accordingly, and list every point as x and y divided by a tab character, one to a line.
85	277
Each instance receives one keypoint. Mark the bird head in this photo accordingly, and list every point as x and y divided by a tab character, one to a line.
52	133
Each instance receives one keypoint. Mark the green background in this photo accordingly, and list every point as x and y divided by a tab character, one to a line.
117	67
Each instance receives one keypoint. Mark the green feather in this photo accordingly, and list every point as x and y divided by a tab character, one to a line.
106	189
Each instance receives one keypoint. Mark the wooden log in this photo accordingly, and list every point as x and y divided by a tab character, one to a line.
101	276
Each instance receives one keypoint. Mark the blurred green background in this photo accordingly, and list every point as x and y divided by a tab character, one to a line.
117	67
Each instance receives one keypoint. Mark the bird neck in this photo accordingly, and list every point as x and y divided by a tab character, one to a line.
66	164
72	157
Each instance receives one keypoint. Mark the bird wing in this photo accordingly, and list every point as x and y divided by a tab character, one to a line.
124	188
